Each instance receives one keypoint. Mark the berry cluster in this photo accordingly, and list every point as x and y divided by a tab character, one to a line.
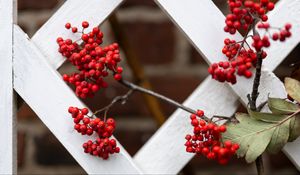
101	147
86	125
244	12
206	140
91	60
281	35
240	61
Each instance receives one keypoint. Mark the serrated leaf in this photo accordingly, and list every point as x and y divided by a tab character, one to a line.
294	128
281	106
252	135
292	87
255	136
258	145
279	138
266	117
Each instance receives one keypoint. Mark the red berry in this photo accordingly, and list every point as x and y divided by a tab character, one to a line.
288	26
74	29
84	111
85	24
68	26
117	77
200	113
222	128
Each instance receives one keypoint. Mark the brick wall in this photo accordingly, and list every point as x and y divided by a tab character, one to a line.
169	61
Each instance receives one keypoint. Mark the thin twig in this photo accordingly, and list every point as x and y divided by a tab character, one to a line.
159	96
122	99
259	107
242	43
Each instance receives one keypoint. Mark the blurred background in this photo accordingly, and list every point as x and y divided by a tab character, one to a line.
170	63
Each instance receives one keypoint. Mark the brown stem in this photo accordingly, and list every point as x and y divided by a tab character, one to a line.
136	67
256	82
132	87
159	96
122	99
252	99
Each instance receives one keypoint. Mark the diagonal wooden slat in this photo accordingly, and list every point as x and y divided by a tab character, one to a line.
73	11
233	98
39	84
7	114
165	153
205	33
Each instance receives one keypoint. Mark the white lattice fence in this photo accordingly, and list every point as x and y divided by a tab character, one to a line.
29	66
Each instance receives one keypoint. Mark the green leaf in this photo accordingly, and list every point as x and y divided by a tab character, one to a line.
252	135
266	117
255	136
294	128
279	137
281	106
292	87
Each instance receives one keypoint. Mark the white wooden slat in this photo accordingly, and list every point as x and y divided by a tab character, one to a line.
43	89
207	35
7	112
73	11
165	153
285	11
204	34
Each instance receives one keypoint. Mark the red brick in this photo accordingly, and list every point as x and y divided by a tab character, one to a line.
25	113
132	140
152	42
195	56
133	107
49	151
174	87
36	4
21	147
280	161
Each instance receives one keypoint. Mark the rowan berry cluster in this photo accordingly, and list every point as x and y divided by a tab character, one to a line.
240	61
92	61
280	35
86	125
244	12
206	140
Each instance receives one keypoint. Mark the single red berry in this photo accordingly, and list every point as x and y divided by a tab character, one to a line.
288	26
74	29
117	77
84	111
67	25
200	113
222	128
85	24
